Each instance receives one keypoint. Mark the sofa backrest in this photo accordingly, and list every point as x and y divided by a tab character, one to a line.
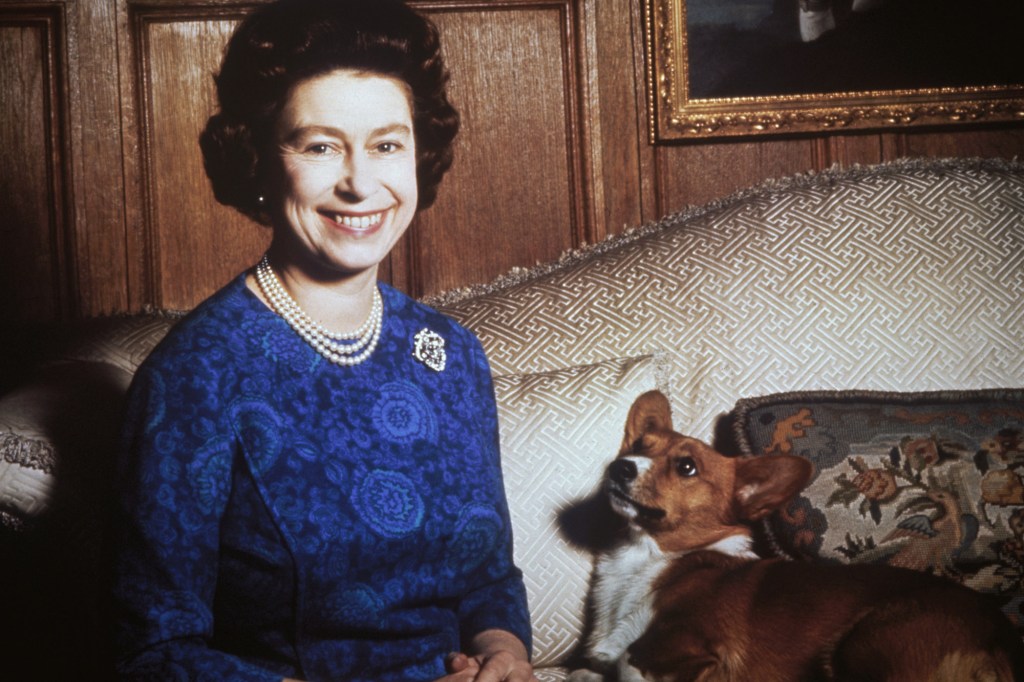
907	276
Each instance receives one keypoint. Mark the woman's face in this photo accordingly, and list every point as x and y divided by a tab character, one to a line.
348	171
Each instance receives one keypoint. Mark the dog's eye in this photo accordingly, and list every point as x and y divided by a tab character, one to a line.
686	467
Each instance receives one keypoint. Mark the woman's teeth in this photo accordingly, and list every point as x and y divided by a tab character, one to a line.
359	222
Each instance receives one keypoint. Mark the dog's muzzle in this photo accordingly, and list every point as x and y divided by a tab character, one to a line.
619	478
622	472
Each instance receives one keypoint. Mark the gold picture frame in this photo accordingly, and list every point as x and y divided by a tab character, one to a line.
679	111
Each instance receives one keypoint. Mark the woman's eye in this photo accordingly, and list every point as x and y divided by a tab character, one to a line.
318	149
387	147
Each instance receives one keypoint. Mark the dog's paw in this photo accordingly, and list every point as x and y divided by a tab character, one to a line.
627	673
584	675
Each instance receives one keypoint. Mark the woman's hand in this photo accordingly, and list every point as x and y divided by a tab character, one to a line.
500	667
499	657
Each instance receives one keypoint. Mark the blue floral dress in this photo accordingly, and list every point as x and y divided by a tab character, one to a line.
283	516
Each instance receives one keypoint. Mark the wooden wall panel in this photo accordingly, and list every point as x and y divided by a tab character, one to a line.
614	107
1003	142
33	159
105	206
692	174
515	192
192	244
849	150
99	283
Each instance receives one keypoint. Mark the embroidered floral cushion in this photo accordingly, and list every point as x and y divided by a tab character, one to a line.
930	481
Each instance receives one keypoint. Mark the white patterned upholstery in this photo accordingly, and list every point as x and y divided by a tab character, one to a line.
121	341
907	276
64	424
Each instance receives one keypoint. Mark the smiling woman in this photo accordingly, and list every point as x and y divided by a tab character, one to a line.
310	484
346	179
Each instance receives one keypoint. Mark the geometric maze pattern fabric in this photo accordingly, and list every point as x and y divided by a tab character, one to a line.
121	341
907	276
51	428
559	430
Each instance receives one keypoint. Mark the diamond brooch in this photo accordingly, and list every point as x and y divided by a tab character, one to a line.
428	348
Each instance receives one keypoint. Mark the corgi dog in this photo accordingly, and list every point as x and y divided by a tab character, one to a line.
684	597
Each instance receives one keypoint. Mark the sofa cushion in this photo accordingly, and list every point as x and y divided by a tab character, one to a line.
932	481
558	431
899	277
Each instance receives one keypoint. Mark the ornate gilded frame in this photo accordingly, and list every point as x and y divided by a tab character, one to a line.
675	116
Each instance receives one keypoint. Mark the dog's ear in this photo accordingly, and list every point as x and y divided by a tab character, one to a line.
764	484
650	412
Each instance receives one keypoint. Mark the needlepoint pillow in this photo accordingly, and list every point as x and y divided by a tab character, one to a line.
559	429
931	481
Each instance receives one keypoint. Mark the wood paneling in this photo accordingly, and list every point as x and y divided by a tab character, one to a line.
622	163
191	244
106	208
100	259
1005	142
33	158
692	174
515	193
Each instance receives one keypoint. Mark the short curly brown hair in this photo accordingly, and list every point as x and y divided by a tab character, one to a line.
286	42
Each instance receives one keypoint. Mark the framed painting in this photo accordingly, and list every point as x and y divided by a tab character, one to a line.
719	68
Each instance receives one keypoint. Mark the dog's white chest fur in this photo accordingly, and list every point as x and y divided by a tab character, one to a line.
623	597
623	600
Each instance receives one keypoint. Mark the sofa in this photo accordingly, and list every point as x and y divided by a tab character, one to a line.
869	318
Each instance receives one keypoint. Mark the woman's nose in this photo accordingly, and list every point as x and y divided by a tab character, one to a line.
357	180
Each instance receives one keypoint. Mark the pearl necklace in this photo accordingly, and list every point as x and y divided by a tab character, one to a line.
345	349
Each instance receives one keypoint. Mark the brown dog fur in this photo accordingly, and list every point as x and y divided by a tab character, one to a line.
732	618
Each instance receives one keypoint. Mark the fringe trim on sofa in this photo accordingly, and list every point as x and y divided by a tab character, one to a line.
810	180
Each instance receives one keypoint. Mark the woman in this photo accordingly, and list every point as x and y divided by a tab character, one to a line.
310	486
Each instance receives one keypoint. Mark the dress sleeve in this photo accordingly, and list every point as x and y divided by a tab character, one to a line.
173	476
499	600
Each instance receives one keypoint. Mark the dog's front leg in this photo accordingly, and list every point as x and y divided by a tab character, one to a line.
610	653
624	672
627	673
629	629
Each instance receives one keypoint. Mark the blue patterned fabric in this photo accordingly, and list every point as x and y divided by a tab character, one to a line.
282	516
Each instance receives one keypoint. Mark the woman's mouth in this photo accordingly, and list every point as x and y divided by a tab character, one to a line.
365	222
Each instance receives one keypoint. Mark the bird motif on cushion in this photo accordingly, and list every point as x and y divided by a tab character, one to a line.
932	542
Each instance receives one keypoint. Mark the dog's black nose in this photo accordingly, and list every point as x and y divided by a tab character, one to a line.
622	471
